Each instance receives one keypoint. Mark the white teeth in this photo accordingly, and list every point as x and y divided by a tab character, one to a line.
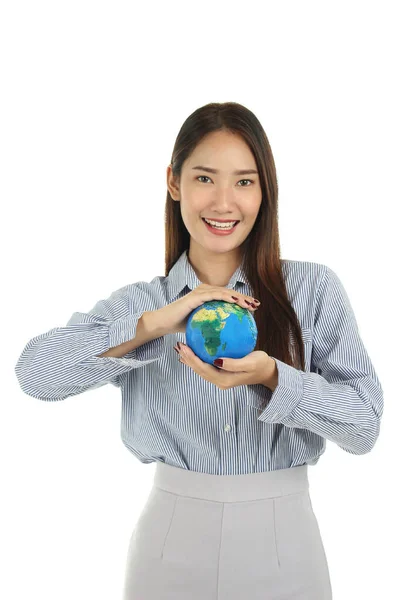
220	225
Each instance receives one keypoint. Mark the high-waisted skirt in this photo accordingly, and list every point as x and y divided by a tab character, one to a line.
227	537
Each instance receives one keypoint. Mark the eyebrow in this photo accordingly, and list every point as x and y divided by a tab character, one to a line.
239	172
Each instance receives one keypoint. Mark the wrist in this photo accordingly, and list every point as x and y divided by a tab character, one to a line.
271	381
155	323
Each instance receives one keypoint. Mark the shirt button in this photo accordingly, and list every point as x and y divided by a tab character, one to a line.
227	427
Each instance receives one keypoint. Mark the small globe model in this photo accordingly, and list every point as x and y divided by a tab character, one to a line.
218	328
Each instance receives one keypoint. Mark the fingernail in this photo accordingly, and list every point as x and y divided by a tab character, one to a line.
179	345
256	301
218	362
234	297
176	350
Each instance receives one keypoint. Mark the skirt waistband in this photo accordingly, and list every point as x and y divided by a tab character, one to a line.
231	488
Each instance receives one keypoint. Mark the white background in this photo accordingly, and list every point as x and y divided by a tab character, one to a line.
93	96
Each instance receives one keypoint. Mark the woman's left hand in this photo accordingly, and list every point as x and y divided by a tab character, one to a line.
255	368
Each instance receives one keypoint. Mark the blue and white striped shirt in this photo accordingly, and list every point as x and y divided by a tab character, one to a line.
171	414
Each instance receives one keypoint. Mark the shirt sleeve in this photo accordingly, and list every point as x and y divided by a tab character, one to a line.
64	361
343	400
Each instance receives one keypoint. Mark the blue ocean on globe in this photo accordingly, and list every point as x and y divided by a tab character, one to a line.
221	329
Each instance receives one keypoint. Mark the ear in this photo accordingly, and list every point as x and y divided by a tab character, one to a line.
172	186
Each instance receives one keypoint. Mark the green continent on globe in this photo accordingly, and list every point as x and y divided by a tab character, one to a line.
211	321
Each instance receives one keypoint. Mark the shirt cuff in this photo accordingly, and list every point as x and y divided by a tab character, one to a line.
124	330
283	400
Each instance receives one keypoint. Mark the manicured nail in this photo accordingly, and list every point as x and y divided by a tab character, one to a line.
234	297
256	301
218	362
176	350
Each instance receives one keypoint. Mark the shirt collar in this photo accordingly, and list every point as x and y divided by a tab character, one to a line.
182	274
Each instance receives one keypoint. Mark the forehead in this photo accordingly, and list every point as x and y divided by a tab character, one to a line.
222	151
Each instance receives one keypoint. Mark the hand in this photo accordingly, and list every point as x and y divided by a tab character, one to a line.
255	368
173	317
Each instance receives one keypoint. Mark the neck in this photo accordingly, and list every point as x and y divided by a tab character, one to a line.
214	268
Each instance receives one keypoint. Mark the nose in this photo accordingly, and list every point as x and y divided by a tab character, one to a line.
224	200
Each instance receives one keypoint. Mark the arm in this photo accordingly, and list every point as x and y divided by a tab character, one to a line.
147	329
343	401
93	349
272	378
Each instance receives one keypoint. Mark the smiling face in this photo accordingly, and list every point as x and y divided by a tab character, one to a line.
218	195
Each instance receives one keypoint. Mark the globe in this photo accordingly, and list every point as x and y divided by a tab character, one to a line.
218	328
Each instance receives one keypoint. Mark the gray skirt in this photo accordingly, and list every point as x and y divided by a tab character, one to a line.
227	537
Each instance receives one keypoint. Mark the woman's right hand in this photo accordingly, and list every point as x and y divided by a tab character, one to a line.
174	316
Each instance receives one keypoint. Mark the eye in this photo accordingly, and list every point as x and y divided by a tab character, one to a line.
206	177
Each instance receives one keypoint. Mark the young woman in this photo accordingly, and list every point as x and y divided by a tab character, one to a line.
229	515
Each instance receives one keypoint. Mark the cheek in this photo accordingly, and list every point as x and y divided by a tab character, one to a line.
256	202
255	209
251	204
194	207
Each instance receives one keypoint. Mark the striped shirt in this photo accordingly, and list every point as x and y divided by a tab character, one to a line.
171	414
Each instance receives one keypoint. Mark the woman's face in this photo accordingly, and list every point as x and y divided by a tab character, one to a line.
222	195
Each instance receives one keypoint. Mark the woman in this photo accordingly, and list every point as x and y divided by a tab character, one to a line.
229	515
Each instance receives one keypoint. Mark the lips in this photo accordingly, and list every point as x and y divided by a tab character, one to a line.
222	222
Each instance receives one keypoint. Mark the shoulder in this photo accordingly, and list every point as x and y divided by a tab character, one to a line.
313	282
146	295
304	281
303	269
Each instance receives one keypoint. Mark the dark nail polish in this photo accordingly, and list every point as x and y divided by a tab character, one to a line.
177	351
218	362
234	297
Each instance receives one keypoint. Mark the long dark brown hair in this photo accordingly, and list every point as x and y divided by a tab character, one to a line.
276	320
